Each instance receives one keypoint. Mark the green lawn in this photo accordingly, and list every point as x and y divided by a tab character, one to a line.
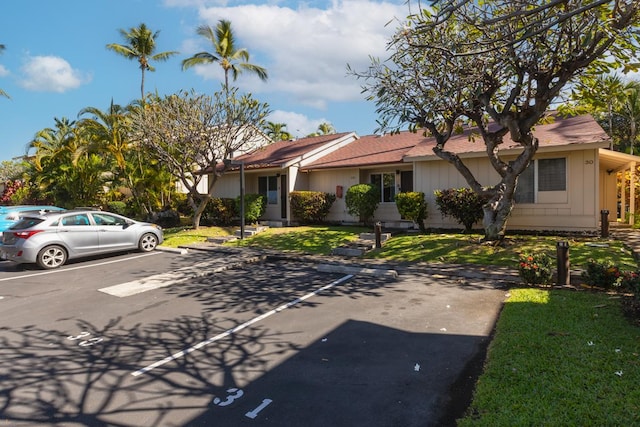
440	248
174	237
561	358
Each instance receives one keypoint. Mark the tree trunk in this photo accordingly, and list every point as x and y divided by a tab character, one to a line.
199	209
196	219
496	213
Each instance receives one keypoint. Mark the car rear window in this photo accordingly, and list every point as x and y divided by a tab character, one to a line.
26	222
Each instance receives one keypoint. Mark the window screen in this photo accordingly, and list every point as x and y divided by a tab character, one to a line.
525	190
552	174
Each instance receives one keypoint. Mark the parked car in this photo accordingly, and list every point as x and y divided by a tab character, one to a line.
50	239
9	215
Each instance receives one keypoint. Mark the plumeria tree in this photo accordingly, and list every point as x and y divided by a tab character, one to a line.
498	65
193	133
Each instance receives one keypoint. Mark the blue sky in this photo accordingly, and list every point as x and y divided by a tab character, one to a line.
55	62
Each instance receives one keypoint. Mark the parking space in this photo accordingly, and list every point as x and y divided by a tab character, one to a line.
233	340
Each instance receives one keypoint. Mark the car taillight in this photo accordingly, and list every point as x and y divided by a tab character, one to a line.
25	234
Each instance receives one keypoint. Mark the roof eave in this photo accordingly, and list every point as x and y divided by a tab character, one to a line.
321	151
516	151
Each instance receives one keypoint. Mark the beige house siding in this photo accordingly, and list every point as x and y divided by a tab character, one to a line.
573	209
327	181
228	186
609	193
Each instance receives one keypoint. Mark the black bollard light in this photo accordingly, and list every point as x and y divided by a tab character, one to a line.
604	223
377	229
564	275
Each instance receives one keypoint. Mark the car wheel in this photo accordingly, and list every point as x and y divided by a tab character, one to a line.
51	257
148	242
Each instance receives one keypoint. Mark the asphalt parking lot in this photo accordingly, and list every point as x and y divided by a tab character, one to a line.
168	339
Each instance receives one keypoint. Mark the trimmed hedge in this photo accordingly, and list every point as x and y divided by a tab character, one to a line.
362	201
255	205
412	205
311	207
220	212
462	204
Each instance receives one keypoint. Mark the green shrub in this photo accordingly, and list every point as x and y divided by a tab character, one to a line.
462	204
536	269
180	202
220	212
255	205
604	274
311	207
118	207
166	218
412	205
362	201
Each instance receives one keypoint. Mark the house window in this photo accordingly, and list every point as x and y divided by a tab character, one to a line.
541	175
552	174
268	187
386	182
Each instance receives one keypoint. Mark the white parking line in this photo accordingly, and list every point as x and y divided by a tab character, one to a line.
173	277
80	267
238	328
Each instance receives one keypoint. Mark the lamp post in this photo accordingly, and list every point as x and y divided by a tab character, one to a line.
241	199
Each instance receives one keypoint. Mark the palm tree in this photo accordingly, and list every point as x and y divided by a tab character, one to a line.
3	93
108	129
323	129
630	110
326	128
225	53
141	46
51	143
277	131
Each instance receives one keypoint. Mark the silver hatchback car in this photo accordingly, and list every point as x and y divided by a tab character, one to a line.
50	239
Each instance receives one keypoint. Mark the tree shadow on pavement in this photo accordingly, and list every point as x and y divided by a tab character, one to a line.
254	286
49	378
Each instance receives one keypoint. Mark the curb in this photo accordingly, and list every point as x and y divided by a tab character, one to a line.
357	271
181	251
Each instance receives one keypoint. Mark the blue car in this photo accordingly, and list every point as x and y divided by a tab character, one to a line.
9	215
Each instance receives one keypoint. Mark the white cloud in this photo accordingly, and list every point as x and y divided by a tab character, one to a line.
298	125
50	74
3	71
306	50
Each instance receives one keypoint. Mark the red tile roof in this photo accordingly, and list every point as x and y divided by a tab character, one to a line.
373	150
562	132
279	153
370	150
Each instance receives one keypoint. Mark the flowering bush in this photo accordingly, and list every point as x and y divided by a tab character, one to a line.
603	274
535	269
631	282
